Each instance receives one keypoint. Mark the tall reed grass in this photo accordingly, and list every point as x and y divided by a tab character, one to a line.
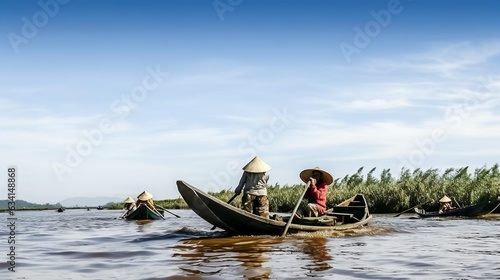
386	193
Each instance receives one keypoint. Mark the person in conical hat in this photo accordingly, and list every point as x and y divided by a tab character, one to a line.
253	183
145	198
256	165
129	205
318	180
445	204
445	199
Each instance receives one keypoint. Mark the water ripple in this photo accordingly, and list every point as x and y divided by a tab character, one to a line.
96	245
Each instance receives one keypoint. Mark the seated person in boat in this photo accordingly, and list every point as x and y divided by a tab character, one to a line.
318	180
145	198
445	204
129	205
253	182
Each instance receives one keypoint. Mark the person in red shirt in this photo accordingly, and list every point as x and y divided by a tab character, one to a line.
318	180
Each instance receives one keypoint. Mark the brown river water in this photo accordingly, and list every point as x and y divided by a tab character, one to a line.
80	244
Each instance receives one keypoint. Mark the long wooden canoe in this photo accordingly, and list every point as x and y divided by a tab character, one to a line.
352	213
143	212
467	211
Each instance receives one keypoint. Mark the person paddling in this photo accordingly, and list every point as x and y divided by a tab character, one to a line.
318	180
129	204
445	204
145	198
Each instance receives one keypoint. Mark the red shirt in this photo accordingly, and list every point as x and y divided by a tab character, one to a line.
317	194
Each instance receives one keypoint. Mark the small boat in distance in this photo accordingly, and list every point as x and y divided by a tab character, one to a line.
143	212
100	207
142	209
350	214
467	211
60	209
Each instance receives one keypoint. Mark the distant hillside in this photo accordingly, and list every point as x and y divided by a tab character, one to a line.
90	201
20	204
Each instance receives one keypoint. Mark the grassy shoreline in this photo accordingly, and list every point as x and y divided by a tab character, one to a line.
384	194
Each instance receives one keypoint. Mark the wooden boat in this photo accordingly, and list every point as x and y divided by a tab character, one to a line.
143	212
352	213
467	211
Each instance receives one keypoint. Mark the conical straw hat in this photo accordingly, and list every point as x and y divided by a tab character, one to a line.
256	165
307	173
144	196
129	200
445	199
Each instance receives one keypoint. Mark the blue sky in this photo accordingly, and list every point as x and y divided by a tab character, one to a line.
110	98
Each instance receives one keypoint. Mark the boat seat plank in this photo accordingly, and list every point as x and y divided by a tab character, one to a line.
355	203
350	215
348	207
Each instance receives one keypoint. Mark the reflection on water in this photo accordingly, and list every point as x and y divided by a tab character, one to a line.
252	256
243	255
318	254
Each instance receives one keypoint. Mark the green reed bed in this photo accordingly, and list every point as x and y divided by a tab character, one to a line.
385	193
389	194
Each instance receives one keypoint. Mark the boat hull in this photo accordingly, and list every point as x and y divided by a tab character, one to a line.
240	222
143	212
468	211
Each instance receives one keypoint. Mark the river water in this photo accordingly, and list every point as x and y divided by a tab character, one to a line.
80	244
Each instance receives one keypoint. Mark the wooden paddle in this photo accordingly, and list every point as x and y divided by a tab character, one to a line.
456	202
397	215
295	209
230	200
123	215
167	211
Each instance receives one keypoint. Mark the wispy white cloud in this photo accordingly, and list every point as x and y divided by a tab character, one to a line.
377	104
445	60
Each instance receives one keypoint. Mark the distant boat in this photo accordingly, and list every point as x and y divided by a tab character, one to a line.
467	211
100	207
60	209
143	212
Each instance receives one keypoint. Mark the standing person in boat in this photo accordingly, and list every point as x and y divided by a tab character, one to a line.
145	198
445	204
253	182
318	180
